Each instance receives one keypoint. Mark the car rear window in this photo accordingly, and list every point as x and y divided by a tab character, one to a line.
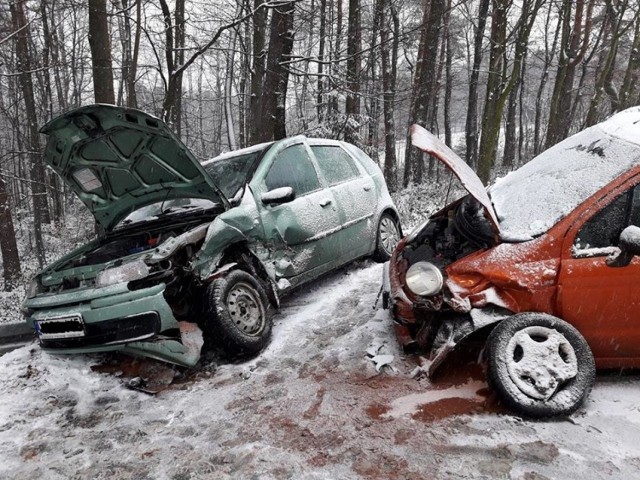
335	164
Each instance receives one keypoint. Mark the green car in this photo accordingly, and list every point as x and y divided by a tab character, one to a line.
187	245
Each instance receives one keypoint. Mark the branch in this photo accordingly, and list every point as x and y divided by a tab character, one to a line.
221	30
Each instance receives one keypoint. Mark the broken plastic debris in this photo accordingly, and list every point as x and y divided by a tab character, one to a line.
381	361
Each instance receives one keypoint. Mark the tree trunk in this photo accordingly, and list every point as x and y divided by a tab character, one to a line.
388	87
354	45
37	176
100	44
8	244
573	45
259	60
448	78
471	128
228	108
277	75
321	53
500	83
629	89
548	57
424	82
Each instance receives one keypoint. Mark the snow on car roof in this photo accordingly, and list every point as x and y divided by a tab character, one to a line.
242	151
535	197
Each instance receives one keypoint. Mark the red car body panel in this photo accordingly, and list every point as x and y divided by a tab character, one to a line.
541	275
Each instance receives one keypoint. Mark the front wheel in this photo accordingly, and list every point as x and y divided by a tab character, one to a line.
237	314
387	237
539	365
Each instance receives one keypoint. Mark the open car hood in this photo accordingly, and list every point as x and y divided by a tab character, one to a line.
119	159
427	142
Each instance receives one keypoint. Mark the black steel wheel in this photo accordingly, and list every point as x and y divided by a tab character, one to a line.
237	314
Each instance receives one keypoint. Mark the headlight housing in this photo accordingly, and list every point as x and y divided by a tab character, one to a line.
35	287
424	279
124	273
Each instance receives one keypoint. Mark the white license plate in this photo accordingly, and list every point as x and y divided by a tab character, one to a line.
70	326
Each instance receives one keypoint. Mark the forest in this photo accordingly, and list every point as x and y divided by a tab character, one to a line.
498	80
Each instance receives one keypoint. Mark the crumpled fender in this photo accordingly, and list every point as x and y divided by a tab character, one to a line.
454	330
518	277
223	233
172	245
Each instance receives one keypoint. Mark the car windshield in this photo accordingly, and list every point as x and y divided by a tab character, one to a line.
177	206
530	200
231	174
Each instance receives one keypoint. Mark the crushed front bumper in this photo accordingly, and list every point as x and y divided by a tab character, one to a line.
138	322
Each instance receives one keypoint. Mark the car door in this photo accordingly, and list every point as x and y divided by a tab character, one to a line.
299	231
356	197
603	302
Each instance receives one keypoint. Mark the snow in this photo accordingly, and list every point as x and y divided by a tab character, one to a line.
533	198
541	369
311	406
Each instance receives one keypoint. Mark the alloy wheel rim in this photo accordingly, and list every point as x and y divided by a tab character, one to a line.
388	234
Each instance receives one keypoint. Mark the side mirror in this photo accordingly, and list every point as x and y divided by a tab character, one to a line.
629	246
278	196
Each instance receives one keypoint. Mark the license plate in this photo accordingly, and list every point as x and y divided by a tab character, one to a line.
70	326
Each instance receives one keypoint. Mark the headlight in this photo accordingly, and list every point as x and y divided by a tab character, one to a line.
124	273
424	279
35	287
414	233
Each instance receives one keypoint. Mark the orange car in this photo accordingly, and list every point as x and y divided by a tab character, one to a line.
545	259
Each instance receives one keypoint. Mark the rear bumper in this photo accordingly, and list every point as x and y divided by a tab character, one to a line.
138	322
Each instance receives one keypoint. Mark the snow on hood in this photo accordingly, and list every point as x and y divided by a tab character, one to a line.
535	197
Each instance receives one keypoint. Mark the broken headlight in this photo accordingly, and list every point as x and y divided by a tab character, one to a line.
124	273
35	288
424	279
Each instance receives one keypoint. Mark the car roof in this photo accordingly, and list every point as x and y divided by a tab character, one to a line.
532	199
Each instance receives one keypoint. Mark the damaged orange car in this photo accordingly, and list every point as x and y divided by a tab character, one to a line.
546	260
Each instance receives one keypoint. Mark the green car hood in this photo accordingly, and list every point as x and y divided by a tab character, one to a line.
119	159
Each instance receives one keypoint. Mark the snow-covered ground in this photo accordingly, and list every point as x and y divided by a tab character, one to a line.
311	406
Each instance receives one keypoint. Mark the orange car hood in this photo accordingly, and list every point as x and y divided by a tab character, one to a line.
428	142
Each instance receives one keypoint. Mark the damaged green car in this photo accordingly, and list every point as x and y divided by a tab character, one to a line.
191	248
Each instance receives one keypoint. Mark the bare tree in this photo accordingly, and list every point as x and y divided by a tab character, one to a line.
38	186
100	43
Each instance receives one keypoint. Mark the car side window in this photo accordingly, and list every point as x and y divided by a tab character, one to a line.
602	230
293	168
335	164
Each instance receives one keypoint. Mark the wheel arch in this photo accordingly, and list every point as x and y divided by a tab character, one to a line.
240	256
396	216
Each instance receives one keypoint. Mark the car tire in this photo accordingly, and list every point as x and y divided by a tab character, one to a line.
387	236
539	365
237	314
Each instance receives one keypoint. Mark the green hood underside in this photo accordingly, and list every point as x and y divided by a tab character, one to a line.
118	160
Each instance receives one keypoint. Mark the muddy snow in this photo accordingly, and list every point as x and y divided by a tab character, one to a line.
311	406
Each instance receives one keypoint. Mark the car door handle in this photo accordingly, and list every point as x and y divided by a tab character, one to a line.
367	188
325	202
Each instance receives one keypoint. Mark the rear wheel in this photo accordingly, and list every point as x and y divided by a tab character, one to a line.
387	237
237	314
539	365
